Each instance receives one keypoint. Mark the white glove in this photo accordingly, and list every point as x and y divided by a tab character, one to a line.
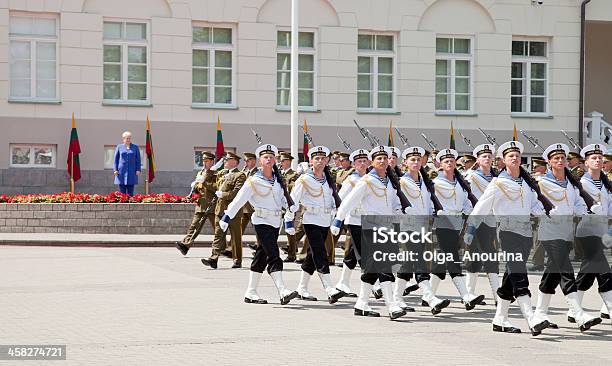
597	209
218	165
218	194
294	208
468	237
408	210
199	178
289	229
445	213
224	223
335	228
193	184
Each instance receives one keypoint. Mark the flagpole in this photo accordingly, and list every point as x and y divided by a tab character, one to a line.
147	185
72	172
294	80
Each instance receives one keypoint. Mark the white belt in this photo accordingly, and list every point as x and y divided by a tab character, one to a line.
263	212
318	210
357	212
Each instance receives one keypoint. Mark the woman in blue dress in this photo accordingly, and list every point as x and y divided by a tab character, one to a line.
127	164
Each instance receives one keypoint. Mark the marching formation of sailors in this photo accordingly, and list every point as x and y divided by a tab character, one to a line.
485	208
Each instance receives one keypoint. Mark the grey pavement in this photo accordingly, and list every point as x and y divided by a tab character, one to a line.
152	306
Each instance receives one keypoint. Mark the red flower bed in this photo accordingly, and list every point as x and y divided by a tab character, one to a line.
115	197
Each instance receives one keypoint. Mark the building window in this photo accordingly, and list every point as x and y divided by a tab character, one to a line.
453	75
33	58
109	157
32	156
213	71
529	77
375	72
126	67
306	70
197	155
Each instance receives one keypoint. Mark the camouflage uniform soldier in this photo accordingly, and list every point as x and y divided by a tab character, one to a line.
228	186
574	160
205	187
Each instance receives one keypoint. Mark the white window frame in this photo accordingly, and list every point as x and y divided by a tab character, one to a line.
212	48
33	64
301	51
31	164
375	54
452	57
124	43
528	60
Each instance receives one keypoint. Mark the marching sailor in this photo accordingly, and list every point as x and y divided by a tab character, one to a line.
512	200
448	225
360	161
556	233
479	178
312	190
414	187
376	196
264	192
592	228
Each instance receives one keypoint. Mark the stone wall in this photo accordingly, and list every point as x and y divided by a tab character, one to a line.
99	218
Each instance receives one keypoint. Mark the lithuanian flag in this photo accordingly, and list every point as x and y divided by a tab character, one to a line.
150	153
452	137
220	149
74	149
390	142
305	141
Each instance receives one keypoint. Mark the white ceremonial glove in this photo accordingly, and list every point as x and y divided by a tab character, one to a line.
294	208
607	239
335	228
218	194
193	184
408	210
218	165
468	237
596	209
289	229
199	178
446	213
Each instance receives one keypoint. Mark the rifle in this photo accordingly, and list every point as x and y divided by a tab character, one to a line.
429	184
281	182
395	183
490	139
431	144
344	142
571	141
257	137
374	141
467	141
332	184
402	137
466	187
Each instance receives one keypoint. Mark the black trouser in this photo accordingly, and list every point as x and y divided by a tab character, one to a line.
266	253
350	259
448	240
485	236
559	270
316	259
594	265
367	277
515	282
418	267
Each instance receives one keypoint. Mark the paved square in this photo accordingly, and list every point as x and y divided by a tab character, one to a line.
151	306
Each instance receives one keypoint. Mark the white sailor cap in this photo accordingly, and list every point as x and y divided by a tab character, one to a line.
266	149
358	154
379	150
395	151
509	146
593	149
318	151
413	151
555	149
483	149
446	153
